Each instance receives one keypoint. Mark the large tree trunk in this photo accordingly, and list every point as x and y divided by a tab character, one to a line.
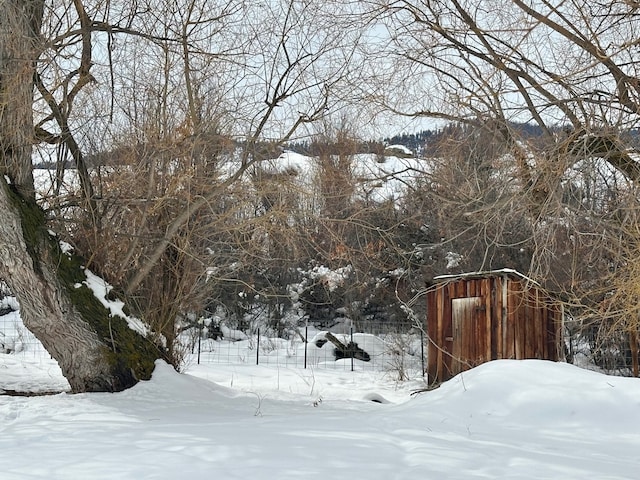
96	352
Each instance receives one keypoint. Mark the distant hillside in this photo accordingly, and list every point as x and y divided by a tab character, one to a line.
421	142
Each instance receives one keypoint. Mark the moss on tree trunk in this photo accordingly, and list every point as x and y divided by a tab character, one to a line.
96	351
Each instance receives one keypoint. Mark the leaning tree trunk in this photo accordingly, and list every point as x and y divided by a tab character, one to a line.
96	352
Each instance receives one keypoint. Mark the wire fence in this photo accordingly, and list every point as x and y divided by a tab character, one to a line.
16	339
384	347
393	347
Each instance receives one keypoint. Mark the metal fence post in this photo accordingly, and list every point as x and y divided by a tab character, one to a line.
306	342
200	340
352	349
258	349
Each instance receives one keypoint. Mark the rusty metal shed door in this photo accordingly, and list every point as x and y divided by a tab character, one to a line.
468	322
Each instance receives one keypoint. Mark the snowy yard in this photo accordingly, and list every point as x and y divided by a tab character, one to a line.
506	419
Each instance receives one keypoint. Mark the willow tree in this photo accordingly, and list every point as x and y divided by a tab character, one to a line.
243	73
96	351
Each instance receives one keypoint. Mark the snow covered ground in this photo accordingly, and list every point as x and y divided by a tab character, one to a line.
503	420
506	419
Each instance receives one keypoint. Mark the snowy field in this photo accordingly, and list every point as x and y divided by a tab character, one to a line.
503	420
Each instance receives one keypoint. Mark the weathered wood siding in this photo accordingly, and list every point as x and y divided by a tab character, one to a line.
473	320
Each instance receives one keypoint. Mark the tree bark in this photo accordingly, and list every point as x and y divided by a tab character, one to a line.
20	22
96	352
44	309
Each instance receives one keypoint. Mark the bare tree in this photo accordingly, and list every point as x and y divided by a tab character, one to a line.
288	80
94	350
565	65
209	89
567	68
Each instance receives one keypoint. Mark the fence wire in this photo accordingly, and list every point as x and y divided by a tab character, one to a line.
16	339
396	347
382	347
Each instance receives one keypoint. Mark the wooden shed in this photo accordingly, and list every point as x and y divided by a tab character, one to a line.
477	317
